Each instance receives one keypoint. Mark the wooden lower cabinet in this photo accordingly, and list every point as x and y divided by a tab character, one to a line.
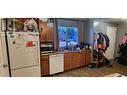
71	60
76	59
83	58
44	65
68	60
87	58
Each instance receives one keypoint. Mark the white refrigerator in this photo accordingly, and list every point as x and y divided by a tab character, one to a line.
24	54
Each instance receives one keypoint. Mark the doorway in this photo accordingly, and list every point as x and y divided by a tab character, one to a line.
111	33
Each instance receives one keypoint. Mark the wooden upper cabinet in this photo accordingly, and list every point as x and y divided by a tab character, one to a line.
42	31
50	32
46	31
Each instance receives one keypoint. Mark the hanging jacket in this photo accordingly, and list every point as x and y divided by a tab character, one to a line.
95	42
95	45
124	40
101	42
107	41
100	39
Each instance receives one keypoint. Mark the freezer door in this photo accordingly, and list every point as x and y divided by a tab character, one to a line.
23	49
27	72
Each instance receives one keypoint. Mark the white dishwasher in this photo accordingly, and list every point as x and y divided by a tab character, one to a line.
56	63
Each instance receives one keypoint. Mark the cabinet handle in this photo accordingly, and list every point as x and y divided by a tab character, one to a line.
5	65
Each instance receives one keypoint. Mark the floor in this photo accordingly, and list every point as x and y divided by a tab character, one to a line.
95	72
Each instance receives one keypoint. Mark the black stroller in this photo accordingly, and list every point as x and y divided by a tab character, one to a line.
122	59
99	58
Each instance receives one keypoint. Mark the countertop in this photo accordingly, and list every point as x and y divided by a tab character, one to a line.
57	52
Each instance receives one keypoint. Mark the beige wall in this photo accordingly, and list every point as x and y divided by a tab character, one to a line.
80	33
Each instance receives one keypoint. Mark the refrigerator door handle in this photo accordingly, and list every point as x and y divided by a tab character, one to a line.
37	54
5	65
37	57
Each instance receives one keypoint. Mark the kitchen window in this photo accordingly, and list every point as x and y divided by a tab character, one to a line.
67	36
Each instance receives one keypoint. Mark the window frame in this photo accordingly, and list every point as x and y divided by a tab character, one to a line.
66	46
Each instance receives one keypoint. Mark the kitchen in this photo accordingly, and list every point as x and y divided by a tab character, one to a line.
47	47
63	47
61	59
38	52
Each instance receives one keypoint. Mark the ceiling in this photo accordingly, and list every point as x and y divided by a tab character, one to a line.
110	20
116	20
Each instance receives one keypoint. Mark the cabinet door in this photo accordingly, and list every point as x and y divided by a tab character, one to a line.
87	58
76	60
68	61
83	58
46	32
49	32
45	65
42	30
